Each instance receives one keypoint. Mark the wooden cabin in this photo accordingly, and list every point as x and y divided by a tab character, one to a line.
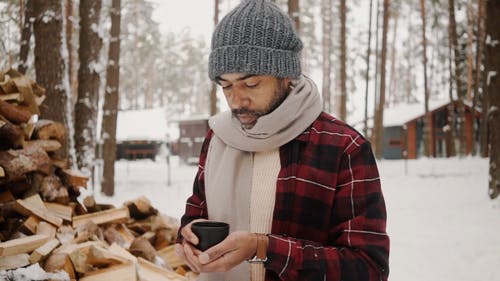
141	133
192	132
403	133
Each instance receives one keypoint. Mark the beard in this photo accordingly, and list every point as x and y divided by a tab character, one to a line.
279	96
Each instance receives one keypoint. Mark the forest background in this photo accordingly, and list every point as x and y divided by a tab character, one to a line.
98	57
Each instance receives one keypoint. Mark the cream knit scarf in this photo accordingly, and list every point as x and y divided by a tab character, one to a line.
228	169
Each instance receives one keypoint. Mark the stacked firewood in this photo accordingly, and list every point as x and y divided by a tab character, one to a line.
44	222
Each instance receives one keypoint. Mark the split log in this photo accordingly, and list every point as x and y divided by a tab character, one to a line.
162	221
57	262
100	257
59	163
28	129
163	238
78	208
92	206
113	236
17	163
38	90
123	272
141	247
74	178
43	251
29	226
15	261
22	245
62	211
151	272
15	114
79	260
140	208
66	234
52	190
47	145
23	85
170	257
141	227
34	205
11	136
50	130
2	173
13	97
86	232
46	229
8	86
69	248
119	250
108	216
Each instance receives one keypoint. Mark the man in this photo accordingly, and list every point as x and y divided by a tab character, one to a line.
299	188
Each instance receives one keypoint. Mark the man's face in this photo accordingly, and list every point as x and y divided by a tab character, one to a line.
252	96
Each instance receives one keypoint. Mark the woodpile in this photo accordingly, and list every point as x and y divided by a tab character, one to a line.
43	223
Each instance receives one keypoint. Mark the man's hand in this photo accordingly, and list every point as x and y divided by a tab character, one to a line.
235	249
187	251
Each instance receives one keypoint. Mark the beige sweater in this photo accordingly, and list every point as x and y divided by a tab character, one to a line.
266	166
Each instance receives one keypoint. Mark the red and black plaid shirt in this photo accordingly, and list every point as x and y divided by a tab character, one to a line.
329	217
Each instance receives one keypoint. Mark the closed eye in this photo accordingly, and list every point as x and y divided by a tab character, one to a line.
252	85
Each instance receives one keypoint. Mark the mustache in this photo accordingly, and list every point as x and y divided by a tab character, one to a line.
237	111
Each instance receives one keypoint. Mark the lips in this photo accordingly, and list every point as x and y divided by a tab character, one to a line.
246	118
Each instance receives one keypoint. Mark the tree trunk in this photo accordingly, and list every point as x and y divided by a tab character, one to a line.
393	95
88	86
470	72
51	65
294	12
326	15
213	91
428	145
377	76
26	31
479	83
450	144
111	100
72	52
470	51
493	90
458	75
343	54
367	76
379	120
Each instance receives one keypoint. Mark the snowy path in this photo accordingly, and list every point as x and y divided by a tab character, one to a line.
442	224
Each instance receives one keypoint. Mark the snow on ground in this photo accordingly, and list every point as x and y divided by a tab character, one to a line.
442	224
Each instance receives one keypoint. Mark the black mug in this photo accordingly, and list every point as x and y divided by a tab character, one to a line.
209	233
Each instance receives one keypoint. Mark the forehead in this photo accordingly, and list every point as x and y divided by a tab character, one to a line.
235	77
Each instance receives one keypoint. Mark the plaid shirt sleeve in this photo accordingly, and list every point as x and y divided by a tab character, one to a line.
357	246
196	207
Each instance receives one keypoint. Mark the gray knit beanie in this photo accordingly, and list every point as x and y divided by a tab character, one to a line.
256	37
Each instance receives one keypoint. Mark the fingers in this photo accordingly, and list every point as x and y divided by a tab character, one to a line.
213	253
188	234
190	258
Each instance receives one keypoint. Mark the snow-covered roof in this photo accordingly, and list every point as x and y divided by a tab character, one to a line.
145	124
403	113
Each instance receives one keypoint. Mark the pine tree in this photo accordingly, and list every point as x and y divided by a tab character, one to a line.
88	84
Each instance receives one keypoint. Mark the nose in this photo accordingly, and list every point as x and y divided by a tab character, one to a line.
237	99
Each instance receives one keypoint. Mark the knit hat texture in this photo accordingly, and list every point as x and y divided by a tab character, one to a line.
256	37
